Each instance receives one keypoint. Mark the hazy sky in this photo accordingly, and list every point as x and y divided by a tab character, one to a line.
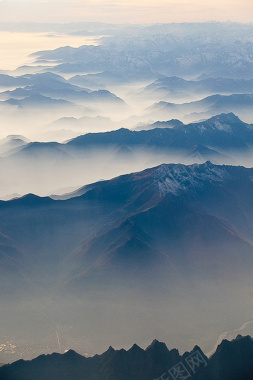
116	11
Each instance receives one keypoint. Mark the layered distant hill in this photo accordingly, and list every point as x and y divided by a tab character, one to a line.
240	104
222	139
131	68
231	361
36	88
224	132
178	87
31	102
12	142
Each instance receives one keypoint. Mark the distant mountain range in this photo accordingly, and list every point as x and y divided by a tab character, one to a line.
159	124
176	86
104	79
224	133
10	81
146	53
240	104
132	68
78	94
49	89
222	139
12	142
95	123
36	101
231	361
214	139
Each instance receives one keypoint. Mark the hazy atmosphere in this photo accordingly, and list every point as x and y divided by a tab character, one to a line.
126	208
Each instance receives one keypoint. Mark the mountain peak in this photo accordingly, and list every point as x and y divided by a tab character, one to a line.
135	348
156	344
241	337
226	118
71	353
110	350
31	199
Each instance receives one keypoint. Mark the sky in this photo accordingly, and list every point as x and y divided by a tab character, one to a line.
127	11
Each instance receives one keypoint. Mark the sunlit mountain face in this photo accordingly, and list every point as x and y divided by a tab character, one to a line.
126	208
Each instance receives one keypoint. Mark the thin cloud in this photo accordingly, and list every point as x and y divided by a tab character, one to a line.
128	11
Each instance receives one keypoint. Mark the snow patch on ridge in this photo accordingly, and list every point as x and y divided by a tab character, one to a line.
175	178
222	126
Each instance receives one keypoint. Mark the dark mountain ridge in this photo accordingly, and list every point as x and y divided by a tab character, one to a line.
224	132
231	361
215	139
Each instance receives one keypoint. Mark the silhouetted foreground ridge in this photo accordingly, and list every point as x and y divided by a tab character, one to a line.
231	361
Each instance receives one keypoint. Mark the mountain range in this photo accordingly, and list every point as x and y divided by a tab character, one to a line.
231	361
222	139
240	104
135	226
169	238
126	215
176	87
146	53
38	87
224	133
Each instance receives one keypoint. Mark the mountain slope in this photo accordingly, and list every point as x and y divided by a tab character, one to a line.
170	216
14	273
147	222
